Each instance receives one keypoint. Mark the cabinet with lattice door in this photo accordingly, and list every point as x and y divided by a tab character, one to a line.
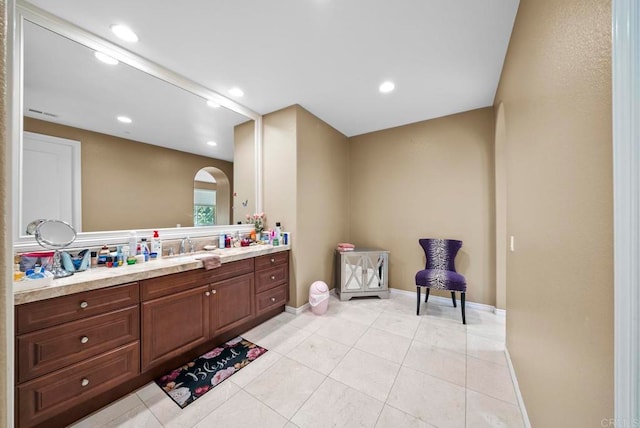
362	272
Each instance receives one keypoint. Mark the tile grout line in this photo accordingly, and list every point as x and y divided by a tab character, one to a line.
398	374
327	376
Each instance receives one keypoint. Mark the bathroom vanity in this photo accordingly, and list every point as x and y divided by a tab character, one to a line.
89	339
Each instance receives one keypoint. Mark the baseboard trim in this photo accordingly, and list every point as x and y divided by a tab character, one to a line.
445	301
301	309
296	311
516	387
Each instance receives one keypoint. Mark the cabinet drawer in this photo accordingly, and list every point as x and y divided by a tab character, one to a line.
50	395
177	282
47	350
272	260
229	270
272	277
50	312
271	299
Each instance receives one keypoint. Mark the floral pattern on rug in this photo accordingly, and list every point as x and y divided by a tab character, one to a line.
188	383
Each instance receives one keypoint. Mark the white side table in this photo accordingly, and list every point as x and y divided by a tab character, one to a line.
362	272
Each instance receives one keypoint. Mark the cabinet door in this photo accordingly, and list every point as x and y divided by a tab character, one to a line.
374	268
352	273
174	324
232	303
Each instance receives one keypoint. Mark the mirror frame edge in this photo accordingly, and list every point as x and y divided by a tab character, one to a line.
26	11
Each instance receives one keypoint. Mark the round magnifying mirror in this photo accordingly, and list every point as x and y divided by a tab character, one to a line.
55	235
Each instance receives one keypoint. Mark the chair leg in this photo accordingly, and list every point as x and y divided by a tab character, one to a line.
426	297
453	297
418	293
464	321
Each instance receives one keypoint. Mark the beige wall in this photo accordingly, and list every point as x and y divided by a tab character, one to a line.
279	166
427	179
305	188
6	266
323	182
131	185
244	171
556	91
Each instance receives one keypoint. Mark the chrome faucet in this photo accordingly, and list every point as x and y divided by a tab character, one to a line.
187	241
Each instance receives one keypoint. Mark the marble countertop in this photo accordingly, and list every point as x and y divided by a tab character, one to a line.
101	277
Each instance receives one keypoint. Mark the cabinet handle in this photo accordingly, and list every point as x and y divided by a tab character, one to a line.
214	291
84	305
207	294
84	382
84	339
273	260
273	277
273	299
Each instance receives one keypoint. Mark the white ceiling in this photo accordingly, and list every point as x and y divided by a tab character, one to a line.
330	56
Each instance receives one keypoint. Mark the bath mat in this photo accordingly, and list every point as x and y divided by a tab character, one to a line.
186	384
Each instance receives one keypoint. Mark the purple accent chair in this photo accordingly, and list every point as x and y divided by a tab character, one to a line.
440	271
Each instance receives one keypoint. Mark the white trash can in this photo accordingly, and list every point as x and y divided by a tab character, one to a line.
319	297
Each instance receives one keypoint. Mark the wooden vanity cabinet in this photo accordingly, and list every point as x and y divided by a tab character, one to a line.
72	348
272	281
193	308
174	324
77	352
232	303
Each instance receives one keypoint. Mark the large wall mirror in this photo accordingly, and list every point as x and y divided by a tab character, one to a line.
110	142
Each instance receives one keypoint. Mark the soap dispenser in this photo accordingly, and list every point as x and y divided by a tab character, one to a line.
156	244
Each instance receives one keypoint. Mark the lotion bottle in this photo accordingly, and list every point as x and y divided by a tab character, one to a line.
156	244
133	243
144	249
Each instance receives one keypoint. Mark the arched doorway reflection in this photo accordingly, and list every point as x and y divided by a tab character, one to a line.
211	196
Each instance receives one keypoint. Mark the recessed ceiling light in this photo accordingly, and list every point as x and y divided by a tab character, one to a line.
236	92
213	104
124	119
125	33
106	58
212	143
387	87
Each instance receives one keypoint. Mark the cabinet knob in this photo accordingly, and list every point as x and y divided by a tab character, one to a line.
214	291
207	294
273	299
84	304
273	260
273	277
84	339
84	382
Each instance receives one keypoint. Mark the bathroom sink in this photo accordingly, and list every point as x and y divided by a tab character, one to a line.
181	258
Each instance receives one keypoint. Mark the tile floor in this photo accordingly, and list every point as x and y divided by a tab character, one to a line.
365	363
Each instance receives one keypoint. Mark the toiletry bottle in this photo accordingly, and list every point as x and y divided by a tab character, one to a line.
221	240
156	244
119	257
103	254
144	249
17	274
133	243
278	231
